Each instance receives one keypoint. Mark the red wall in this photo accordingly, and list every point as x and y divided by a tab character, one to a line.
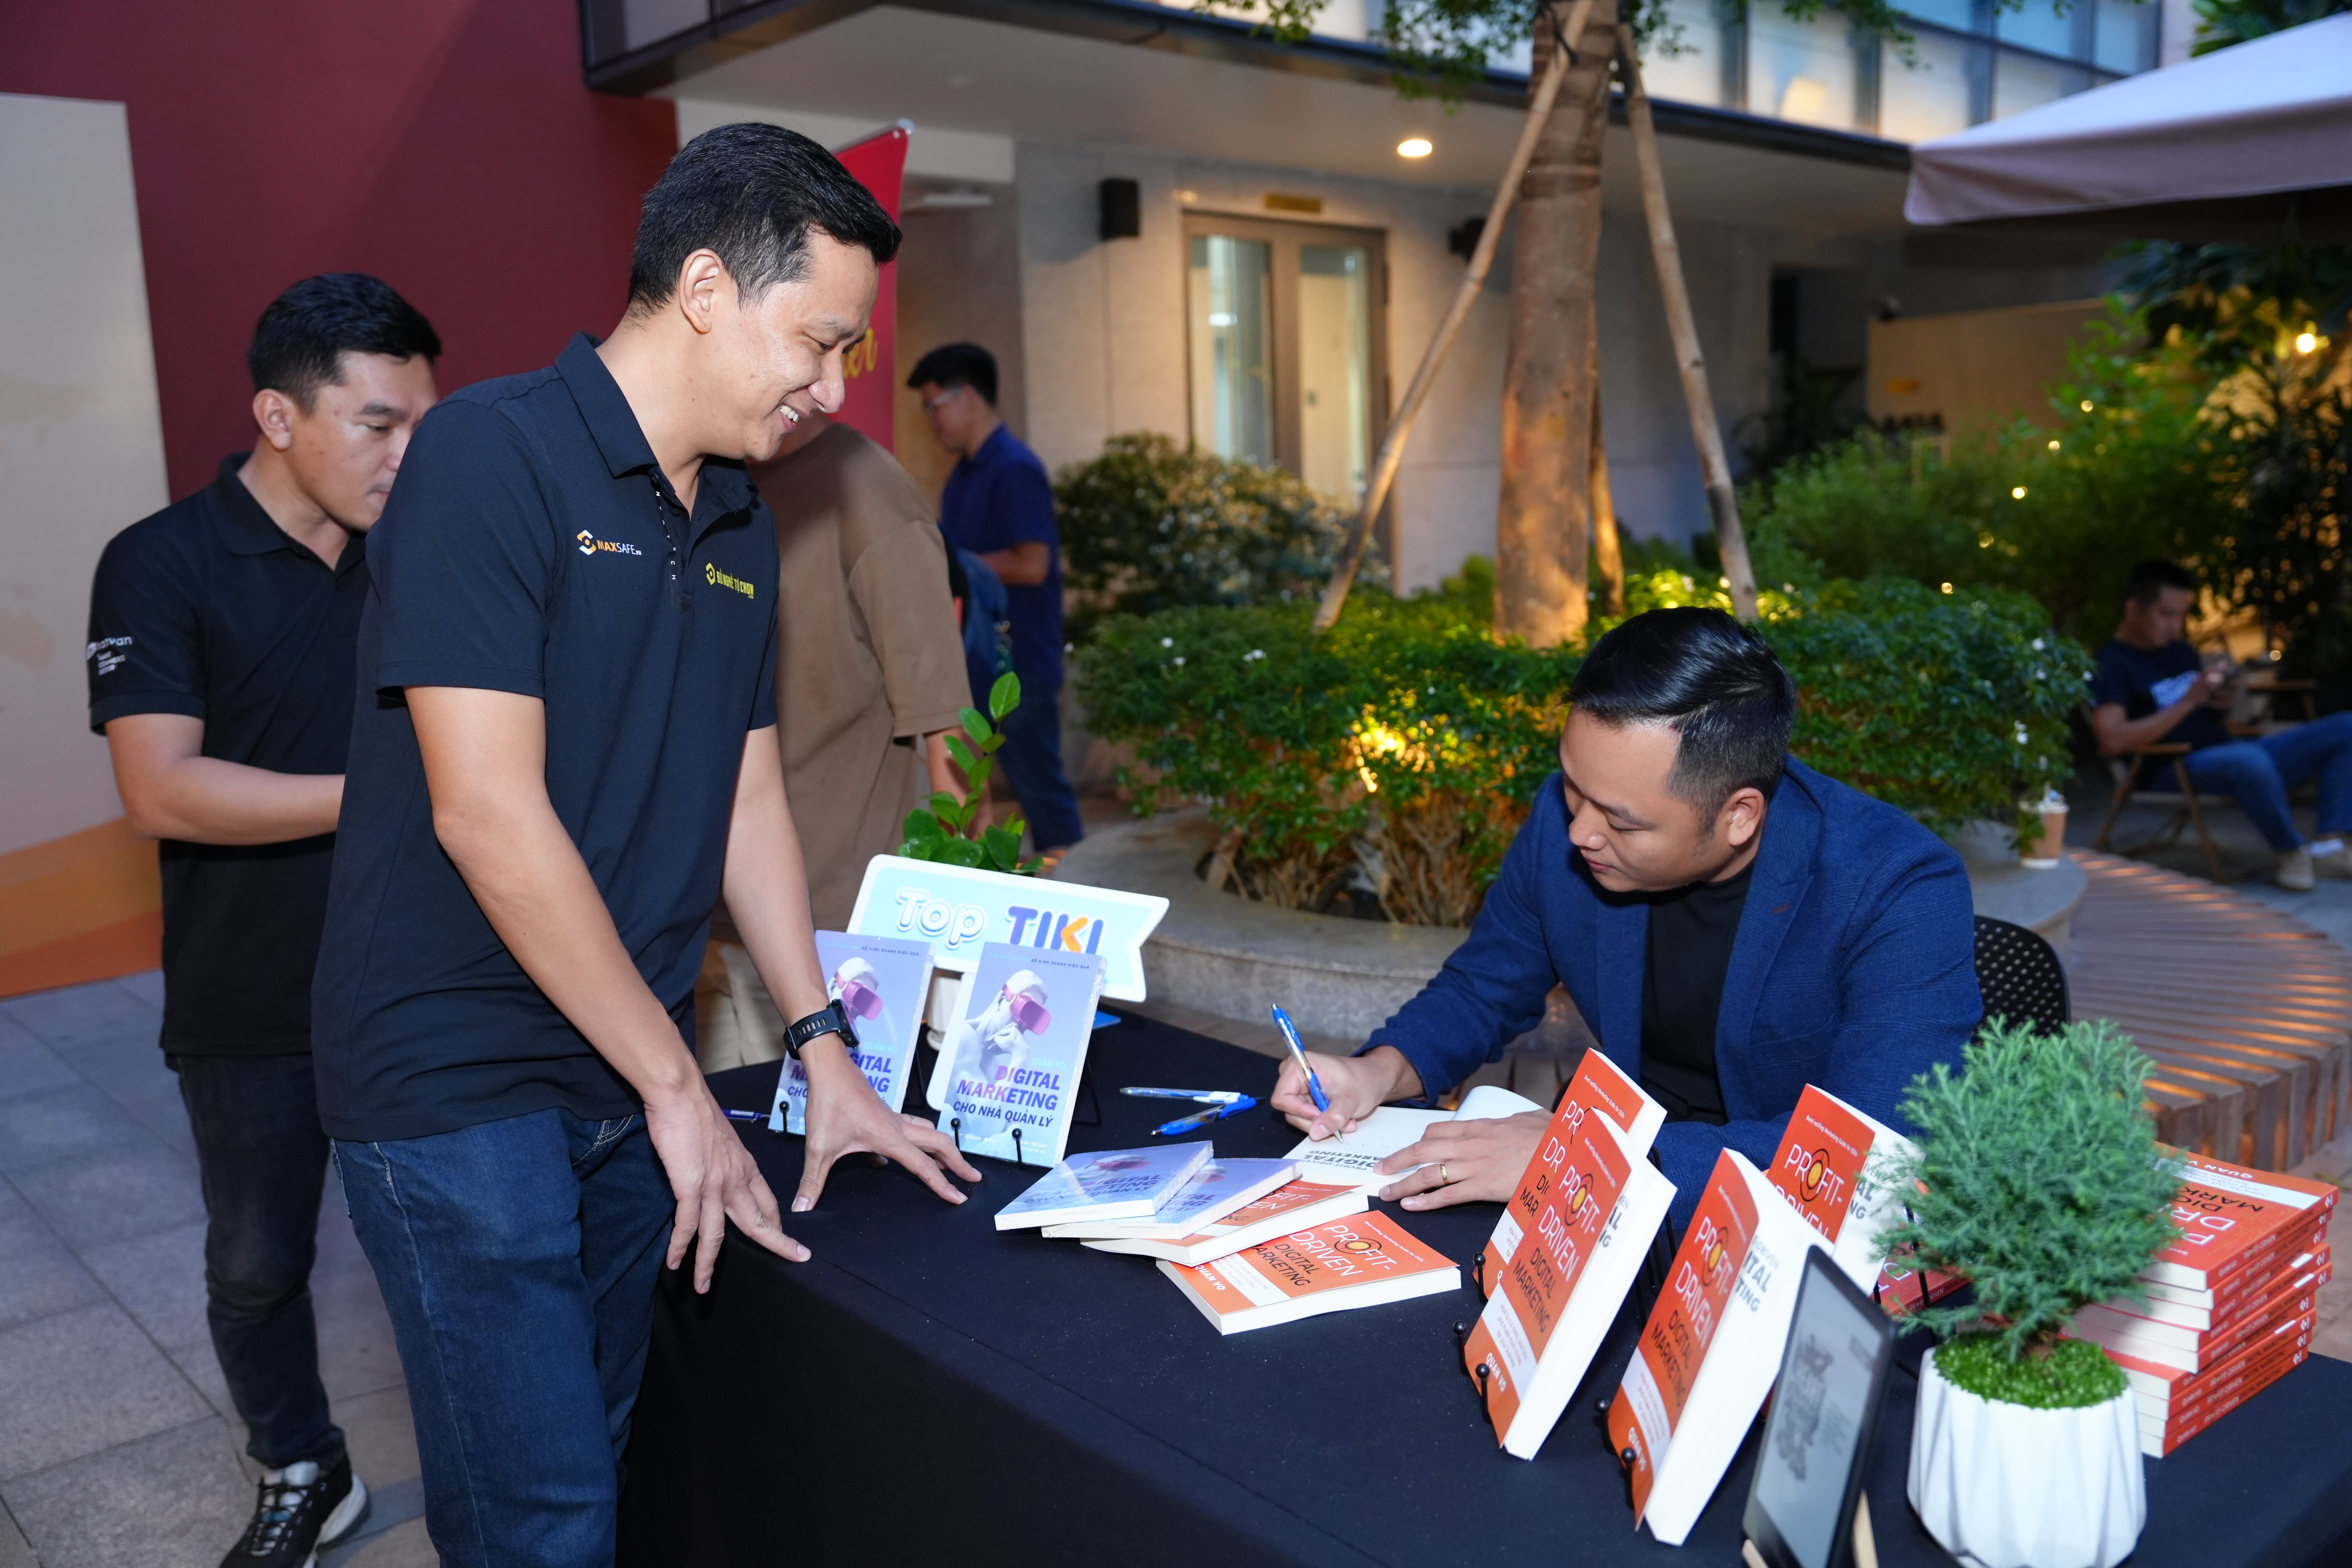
446	146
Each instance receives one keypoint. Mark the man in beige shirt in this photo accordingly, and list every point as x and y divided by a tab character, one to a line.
869	679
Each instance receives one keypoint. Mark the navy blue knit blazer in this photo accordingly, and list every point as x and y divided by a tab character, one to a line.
1854	969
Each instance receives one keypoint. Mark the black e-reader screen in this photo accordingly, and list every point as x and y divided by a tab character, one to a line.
1824	1414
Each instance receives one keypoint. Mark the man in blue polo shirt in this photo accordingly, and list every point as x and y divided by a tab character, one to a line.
998	504
564	743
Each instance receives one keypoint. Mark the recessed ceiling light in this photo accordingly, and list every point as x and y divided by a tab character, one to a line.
1415	147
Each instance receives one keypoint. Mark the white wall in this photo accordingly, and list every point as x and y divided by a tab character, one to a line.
81	441
1103	324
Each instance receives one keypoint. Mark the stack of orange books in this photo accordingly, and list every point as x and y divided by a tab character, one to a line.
2229	1304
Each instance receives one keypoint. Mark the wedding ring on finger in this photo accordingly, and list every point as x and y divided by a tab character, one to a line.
1442	1179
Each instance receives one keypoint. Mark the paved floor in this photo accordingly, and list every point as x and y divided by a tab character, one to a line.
118	1444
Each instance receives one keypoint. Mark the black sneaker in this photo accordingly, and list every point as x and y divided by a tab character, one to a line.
300	1510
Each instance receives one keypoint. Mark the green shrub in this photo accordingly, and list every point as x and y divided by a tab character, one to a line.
2038	1180
1149	526
2133	465
1405	746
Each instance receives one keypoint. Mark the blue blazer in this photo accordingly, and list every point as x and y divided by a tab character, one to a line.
1854	968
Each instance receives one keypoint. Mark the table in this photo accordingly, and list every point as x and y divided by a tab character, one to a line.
927	1387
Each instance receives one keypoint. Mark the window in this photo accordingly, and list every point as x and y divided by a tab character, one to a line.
1287	358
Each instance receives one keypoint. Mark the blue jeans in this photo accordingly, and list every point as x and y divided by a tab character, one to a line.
2259	772
517	1258
263	1159
1031	759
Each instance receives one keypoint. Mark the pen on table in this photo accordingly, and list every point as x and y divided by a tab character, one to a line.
1204	1096
1216	1112
747	1115
1298	1054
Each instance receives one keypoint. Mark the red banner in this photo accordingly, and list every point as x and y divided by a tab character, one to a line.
871	364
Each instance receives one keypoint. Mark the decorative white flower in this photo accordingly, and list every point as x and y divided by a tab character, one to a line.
2023	738
2037	645
1167	642
1179	659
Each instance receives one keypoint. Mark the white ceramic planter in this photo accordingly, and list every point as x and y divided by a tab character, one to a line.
2002	1486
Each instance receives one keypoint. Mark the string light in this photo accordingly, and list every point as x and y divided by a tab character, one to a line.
2305	341
1415	147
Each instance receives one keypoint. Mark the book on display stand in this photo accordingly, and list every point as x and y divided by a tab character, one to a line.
1598	1086
1007	1085
881	983
1834	1167
1573	1237
1707	1354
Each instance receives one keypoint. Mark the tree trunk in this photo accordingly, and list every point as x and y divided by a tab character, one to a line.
1543	527
1608	555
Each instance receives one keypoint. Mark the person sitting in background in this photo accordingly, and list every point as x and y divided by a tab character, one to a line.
2151	688
1732	925
998	504
869	679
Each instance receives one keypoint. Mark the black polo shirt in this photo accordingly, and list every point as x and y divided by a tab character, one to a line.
533	546
210	609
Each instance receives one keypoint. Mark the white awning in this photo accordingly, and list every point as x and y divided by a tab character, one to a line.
2245	144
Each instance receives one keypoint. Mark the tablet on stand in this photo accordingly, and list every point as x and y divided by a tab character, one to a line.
1805	1506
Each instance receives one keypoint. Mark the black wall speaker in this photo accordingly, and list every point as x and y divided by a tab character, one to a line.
1122	209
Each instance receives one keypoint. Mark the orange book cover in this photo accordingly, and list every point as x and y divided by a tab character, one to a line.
1363	1249
2230	1216
1820	1160
1281	1200
1563	1203
2174	1435
1673	1342
1599	1088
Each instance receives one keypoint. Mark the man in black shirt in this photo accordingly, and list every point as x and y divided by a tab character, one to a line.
563	746
221	637
2152	687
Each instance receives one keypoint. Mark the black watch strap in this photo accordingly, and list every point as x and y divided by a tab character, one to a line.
831	1020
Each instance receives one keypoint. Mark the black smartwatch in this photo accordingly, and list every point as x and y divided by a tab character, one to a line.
832	1020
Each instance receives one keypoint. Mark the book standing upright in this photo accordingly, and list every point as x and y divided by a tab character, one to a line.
1007	1084
881	983
1834	1168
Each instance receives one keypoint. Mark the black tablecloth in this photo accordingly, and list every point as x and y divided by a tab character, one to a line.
930	1384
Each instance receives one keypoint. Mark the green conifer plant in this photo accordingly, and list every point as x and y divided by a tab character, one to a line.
2039	1180
948	830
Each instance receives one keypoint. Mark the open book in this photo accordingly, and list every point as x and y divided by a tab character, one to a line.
1352	1157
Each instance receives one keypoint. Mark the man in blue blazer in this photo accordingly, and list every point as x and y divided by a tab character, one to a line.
1732	925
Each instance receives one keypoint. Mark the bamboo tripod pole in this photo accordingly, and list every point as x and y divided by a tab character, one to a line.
1714	467
1608	551
1474	277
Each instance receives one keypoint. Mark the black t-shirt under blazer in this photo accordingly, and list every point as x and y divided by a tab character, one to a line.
211	610
533	546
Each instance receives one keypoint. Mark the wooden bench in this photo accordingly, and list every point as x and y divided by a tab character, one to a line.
2246	1012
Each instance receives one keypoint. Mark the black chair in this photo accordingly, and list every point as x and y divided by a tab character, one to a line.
2019	976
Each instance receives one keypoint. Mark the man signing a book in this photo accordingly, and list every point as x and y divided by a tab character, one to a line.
1732	925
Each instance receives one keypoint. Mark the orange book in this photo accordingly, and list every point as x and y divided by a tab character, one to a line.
2231	1218
1711	1347
2294	1296
1364	1260
1568	1250
1832	1168
2180	1431
1599	1088
1299	1205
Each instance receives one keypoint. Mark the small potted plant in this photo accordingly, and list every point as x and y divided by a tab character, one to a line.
951	831
2036	1179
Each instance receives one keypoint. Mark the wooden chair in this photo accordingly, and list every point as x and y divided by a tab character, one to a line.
2255	713
2187	806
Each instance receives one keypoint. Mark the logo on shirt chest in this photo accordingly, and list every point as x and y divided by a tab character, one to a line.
590	546
718	579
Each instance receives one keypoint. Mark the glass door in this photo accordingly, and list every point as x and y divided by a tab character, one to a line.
1287	358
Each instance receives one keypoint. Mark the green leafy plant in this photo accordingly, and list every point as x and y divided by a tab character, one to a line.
1400	751
2038	1179
1150	525
948	830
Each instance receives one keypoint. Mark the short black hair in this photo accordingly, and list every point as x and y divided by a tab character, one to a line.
1711	680
2147	581
300	342
751	194
951	365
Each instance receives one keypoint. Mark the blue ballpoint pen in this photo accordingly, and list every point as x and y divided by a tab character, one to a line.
1299	1053
1217	1112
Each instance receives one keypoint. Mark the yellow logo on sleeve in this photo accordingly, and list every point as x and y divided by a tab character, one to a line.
718	579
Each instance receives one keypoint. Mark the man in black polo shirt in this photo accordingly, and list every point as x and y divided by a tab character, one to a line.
564	743
221	637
